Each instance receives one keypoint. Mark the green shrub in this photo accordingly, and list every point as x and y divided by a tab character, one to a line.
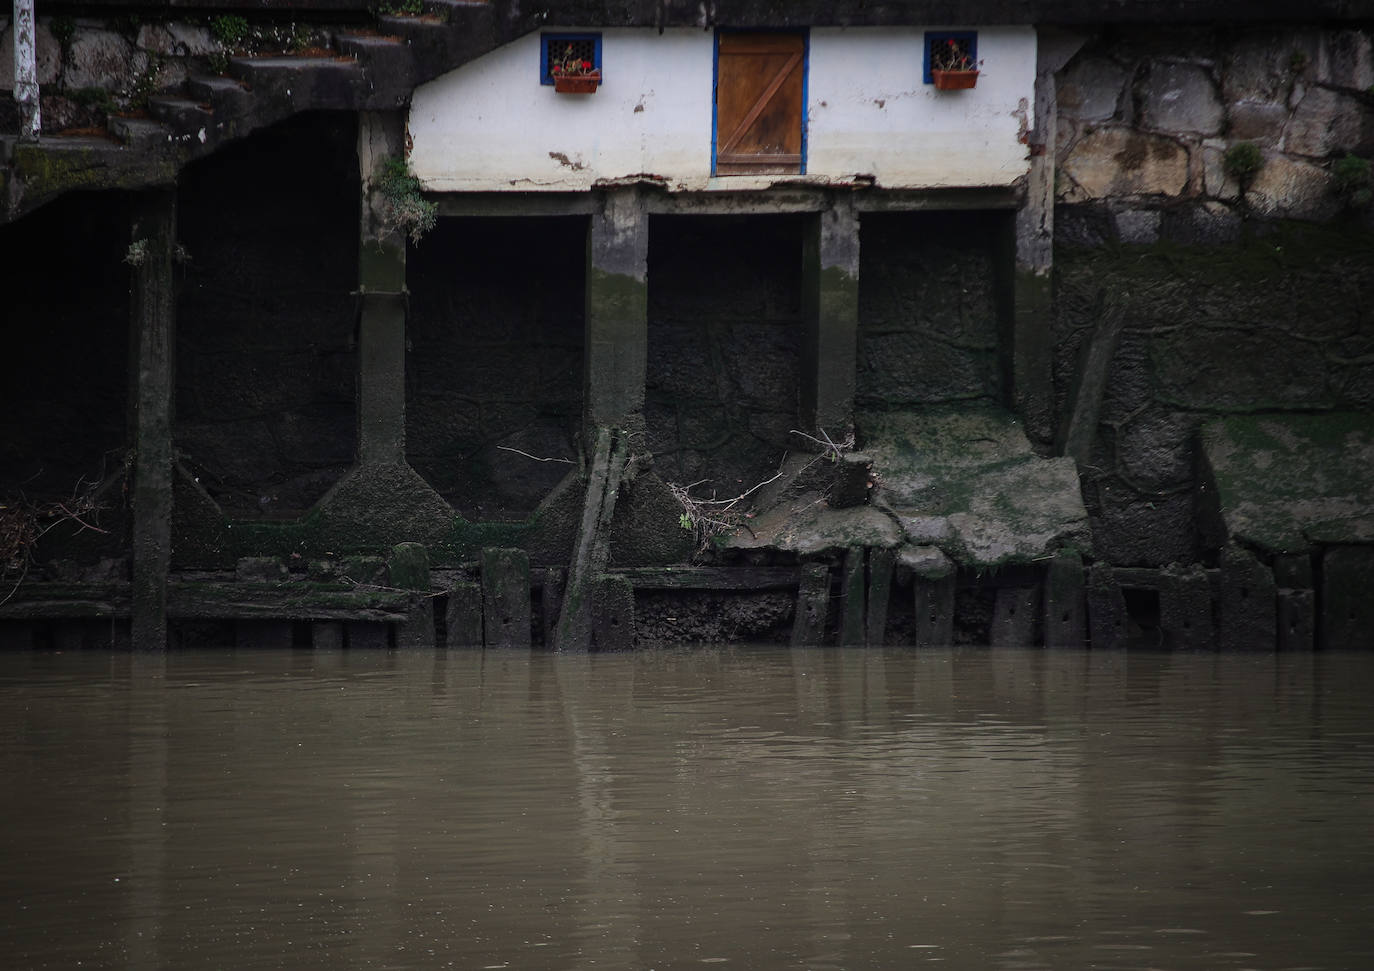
1354	182
1242	162
229	30
403	206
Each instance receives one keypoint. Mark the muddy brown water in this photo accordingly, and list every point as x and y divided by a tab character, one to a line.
746	808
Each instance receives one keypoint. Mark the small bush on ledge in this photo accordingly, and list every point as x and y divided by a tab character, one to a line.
404	208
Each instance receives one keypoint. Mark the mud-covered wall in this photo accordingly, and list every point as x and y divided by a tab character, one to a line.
931	308
65	339
724	354
494	369
1209	185
266	361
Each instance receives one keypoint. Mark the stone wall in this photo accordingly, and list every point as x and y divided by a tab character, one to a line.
495	364
89	67
1147	117
929	309
1228	305
266	363
724	348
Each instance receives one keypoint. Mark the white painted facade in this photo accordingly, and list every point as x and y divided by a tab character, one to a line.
491	126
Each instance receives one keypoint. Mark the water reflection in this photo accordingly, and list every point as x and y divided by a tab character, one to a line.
754	808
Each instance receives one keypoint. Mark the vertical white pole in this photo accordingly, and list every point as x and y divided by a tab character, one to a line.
26	72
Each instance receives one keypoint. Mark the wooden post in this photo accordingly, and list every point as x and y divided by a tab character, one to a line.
154	324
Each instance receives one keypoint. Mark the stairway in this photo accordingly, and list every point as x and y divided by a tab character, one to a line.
372	70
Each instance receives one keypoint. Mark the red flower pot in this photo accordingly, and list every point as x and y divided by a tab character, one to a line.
577	83
954	80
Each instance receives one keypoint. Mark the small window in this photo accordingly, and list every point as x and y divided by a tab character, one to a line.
941	44
585	47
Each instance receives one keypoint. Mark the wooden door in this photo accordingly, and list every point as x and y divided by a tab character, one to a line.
759	104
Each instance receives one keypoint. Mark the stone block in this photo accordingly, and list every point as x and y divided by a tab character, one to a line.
1120	161
934	606
1090	89
102	59
1349	61
1066	615
1327	121
613	614
1138	226
852	598
1261	122
813	606
1292	187
881	566
1107	617
261	569
1297	620
1180	98
1185	608
367	635
463	615
506	598
1013	617
1247	610
176	39
47	51
1347	620
327	635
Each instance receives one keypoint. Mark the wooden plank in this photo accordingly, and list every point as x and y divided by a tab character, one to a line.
710	577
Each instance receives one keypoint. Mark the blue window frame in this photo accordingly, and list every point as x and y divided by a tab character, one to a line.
966	40
551	48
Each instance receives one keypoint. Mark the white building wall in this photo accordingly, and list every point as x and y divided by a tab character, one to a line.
491	126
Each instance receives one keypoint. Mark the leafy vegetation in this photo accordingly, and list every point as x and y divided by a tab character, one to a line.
404	207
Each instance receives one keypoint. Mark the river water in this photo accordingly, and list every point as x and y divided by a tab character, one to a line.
747	808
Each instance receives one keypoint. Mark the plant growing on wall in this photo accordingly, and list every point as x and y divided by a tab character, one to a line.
1354	182
403	206
1242	163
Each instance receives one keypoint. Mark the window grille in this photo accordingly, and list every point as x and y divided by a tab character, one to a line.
585	47
965	42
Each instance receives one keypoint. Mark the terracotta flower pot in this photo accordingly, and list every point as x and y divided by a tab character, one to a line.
577	83
954	80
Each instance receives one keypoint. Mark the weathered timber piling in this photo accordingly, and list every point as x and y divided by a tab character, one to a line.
591	548
506	598
932	582
1065	607
812	612
1013	616
154	327
1248	608
409	570
881	566
1106	608
1347	608
463	615
1185	608
852	598
613	614
1297	603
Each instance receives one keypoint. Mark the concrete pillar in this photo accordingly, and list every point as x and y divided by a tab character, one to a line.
830	304
382	301
1029	350
617	309
154	339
